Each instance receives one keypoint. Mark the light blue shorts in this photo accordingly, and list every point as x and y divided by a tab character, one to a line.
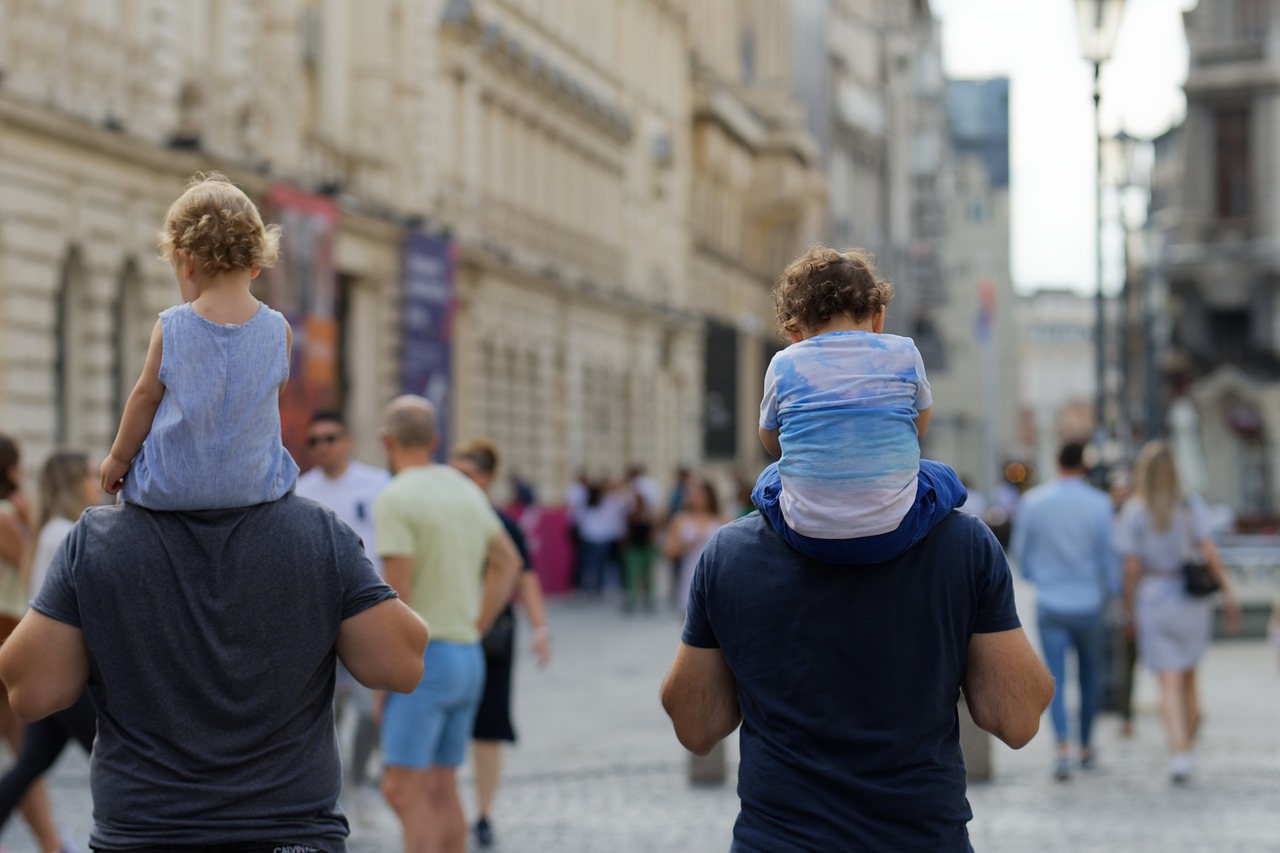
431	726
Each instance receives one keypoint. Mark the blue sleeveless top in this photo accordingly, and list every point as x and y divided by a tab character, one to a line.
215	441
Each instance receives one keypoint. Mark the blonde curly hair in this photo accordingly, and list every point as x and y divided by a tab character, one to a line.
218	227
824	283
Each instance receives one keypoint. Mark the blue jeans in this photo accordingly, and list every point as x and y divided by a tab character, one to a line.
938	491
1087	633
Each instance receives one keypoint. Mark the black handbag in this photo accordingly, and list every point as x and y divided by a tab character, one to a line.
500	638
1197	579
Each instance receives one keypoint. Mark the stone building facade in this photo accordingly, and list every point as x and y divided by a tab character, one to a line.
1221	260
106	109
610	187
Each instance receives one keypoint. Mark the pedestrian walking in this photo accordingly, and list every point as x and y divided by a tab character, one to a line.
689	531
349	488
209	392
837	500
208	642
68	486
639	547
601	525
1063	543
478	459
1160	530
845	680
16	523
435	528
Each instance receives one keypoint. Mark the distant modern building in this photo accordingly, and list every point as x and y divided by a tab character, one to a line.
1222	263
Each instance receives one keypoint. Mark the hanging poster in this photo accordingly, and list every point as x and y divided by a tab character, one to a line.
302	286
427	333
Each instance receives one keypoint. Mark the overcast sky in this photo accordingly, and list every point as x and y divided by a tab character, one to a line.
1034	43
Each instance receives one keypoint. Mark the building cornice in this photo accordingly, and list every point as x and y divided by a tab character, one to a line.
15	112
507	52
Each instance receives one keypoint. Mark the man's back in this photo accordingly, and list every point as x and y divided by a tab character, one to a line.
436	516
848	680
240	609
1062	540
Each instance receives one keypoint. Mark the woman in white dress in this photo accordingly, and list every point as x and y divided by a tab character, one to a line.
1159	530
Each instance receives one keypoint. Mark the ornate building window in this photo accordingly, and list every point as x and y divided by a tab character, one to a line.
69	327
1231	129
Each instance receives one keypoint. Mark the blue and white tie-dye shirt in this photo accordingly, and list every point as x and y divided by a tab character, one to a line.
845	405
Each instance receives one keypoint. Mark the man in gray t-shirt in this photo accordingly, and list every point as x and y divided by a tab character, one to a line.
208	642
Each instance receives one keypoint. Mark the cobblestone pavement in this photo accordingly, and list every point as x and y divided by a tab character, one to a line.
597	769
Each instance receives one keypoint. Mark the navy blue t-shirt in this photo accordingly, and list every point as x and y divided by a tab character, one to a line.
848	680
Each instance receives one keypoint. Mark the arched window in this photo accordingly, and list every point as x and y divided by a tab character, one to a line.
68	350
130	336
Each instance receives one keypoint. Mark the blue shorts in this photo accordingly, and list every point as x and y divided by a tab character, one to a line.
431	726
938	491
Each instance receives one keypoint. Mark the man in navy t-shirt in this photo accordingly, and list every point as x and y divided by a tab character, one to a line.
846	681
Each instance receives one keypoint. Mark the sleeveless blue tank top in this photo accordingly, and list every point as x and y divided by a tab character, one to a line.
215	440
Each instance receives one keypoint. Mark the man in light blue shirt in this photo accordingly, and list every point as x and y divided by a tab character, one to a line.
1062	542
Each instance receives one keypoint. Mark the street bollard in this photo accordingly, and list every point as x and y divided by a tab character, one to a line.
708	769
976	746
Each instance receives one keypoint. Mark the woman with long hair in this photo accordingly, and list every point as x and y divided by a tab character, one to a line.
16	523
67	486
690	530
1159	530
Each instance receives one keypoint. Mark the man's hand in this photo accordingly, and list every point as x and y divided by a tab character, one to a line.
113	471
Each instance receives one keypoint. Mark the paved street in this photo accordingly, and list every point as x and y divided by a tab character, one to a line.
597	768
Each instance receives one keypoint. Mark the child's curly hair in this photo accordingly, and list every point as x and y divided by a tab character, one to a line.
823	283
219	227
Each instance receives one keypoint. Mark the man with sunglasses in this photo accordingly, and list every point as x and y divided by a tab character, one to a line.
349	488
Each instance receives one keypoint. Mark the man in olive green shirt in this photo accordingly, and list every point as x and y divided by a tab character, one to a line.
435	531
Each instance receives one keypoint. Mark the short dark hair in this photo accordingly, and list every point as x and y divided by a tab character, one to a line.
1071	456
332	416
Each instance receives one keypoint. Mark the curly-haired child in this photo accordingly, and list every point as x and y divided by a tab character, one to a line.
201	429
844	406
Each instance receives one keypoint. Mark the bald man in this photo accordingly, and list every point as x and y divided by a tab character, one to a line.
434	528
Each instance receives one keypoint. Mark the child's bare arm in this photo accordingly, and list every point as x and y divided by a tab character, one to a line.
139	412
288	352
769	438
922	421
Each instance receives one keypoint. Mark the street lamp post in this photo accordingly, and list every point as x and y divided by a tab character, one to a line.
1098	24
1132	176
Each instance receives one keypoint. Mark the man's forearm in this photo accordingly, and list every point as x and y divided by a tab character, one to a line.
700	694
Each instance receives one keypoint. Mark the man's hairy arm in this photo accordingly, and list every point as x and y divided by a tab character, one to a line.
1006	686
382	646
45	666
700	695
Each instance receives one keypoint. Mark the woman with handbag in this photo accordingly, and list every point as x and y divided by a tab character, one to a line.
1167	547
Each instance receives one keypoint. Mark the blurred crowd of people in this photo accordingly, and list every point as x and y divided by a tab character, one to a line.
631	537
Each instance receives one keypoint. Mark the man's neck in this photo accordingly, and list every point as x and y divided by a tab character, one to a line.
336	471
410	458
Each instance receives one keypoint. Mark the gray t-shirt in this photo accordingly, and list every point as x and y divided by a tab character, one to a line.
211	646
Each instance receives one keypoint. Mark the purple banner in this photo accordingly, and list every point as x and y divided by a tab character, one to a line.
427	351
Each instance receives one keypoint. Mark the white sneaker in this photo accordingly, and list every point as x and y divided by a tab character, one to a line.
1180	767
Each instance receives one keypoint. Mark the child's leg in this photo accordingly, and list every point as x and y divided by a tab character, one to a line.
938	492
